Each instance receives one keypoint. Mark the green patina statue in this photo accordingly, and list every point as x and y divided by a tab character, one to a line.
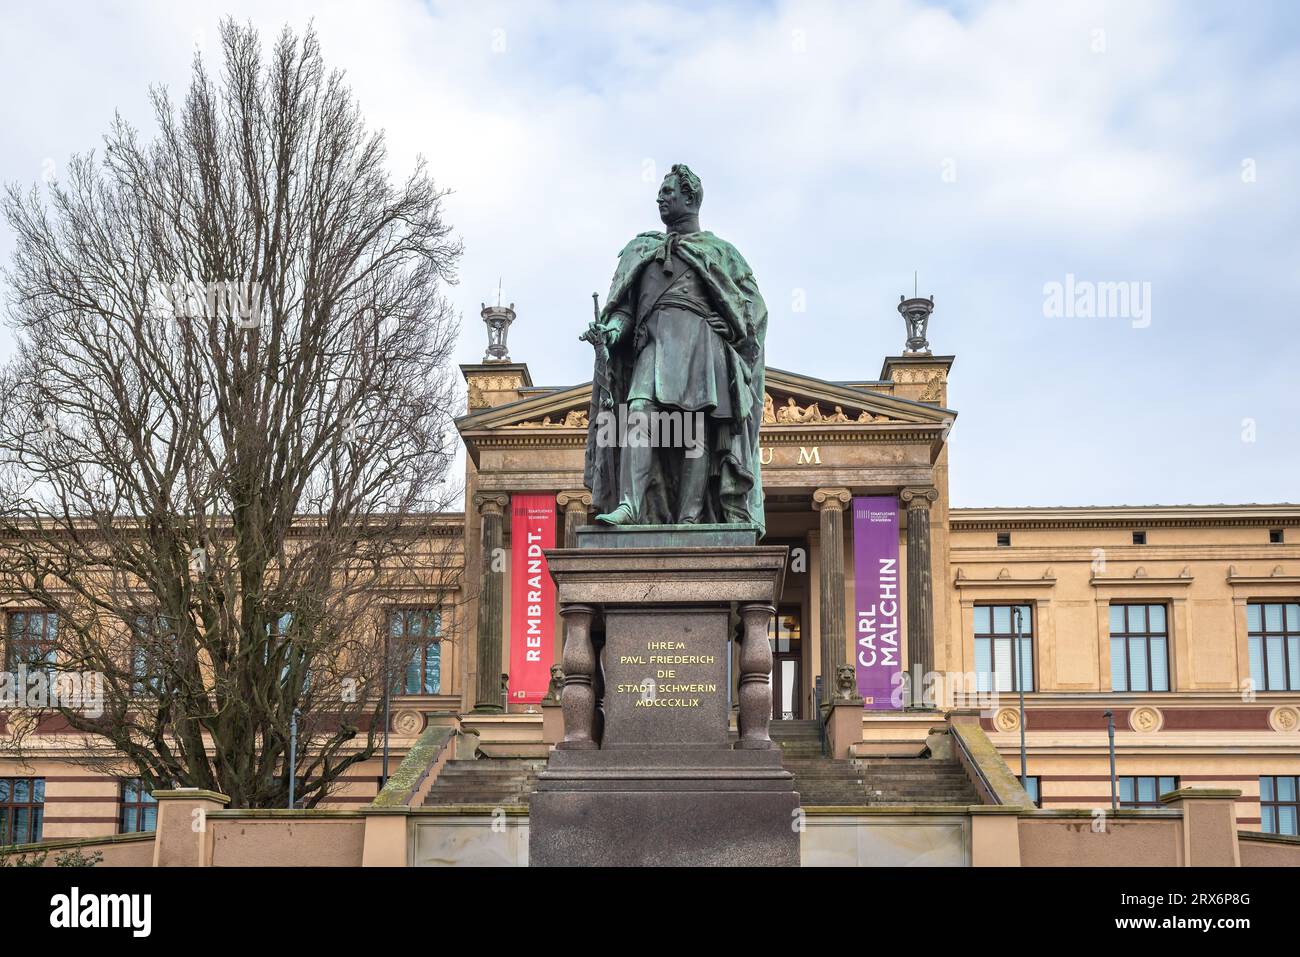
677	398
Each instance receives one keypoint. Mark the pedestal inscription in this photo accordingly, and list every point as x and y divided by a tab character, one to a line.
665	679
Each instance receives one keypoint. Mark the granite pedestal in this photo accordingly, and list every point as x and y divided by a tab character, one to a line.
647	773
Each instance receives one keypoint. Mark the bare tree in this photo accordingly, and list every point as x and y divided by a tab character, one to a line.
226	435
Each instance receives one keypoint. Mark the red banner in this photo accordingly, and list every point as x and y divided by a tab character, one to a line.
532	597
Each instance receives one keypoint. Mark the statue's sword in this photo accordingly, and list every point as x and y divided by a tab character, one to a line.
597	340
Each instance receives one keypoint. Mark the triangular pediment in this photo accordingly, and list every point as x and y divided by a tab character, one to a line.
793	400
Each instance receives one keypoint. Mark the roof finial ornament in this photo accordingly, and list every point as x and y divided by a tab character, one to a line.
916	314
497	319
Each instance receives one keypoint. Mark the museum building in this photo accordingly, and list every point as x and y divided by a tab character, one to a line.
1178	626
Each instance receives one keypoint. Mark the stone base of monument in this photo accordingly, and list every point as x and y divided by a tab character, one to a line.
655	808
646	773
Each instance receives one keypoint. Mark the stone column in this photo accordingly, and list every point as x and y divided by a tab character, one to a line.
489	697
578	699
755	677
831	502
920	587
575	506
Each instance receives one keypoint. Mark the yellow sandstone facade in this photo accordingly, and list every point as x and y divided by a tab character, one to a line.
1207	694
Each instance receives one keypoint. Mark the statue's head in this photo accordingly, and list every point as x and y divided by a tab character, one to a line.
680	195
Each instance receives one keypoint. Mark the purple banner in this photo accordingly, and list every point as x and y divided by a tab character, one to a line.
876	597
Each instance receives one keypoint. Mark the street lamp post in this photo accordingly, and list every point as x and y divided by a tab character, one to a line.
1110	733
388	694
1020	685
293	754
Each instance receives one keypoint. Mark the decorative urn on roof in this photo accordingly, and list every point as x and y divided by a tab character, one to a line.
916	314
497	319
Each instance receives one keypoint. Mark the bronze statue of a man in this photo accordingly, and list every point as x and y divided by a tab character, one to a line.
677	399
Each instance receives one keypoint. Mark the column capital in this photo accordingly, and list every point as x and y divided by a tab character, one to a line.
579	498
491	503
919	496
833	498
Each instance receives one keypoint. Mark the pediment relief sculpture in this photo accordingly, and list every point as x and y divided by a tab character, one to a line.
792	413
573	419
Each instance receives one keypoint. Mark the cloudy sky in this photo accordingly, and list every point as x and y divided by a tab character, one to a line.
994	148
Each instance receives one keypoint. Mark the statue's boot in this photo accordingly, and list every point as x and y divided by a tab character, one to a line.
622	515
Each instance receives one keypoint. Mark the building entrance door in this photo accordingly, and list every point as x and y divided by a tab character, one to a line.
784	634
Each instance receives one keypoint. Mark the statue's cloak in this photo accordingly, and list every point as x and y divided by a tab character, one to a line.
736	486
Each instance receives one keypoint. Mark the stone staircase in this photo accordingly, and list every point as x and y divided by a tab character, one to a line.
823	782
498	782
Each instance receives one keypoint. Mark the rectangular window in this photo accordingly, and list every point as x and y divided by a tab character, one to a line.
419	630
996	662
139	808
22	810
280	643
278	628
30	640
1275	536
1273	636
1279	804
1033	788
150	631
1004	539
1139	648
1139	538
1145	790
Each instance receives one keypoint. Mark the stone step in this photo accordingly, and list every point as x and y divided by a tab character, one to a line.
824	782
487	774
819	780
487	780
491	771
469	780
890	774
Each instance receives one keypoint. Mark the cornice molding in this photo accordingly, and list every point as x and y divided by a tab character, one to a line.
1179	581
1273	578
961	582
1126	517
